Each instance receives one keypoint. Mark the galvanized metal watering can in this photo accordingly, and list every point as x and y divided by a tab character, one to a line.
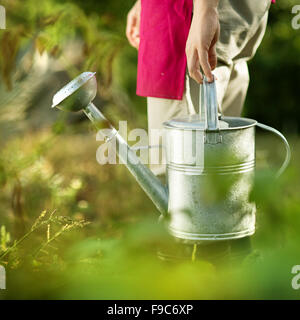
210	165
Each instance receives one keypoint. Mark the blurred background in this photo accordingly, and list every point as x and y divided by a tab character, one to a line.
88	231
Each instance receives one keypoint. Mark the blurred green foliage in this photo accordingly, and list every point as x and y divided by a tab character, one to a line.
275	71
274	95
51	184
114	256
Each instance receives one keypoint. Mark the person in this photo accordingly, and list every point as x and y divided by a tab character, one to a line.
179	41
174	35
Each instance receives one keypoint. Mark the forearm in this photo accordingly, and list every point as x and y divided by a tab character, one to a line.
203	5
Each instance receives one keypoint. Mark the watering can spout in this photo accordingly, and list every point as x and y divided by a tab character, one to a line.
153	187
77	96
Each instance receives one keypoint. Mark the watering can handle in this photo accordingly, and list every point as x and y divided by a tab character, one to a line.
208	103
208	99
286	144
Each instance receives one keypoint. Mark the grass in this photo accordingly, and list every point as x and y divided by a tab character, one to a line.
74	229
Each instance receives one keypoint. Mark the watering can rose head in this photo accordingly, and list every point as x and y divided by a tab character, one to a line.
77	94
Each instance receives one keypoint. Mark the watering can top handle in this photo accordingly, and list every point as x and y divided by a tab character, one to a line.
286	144
209	105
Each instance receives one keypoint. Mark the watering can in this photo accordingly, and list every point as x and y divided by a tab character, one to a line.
210	165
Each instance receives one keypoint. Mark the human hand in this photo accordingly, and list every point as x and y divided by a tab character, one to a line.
202	39
133	25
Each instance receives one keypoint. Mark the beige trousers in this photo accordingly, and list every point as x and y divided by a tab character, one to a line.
243	24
